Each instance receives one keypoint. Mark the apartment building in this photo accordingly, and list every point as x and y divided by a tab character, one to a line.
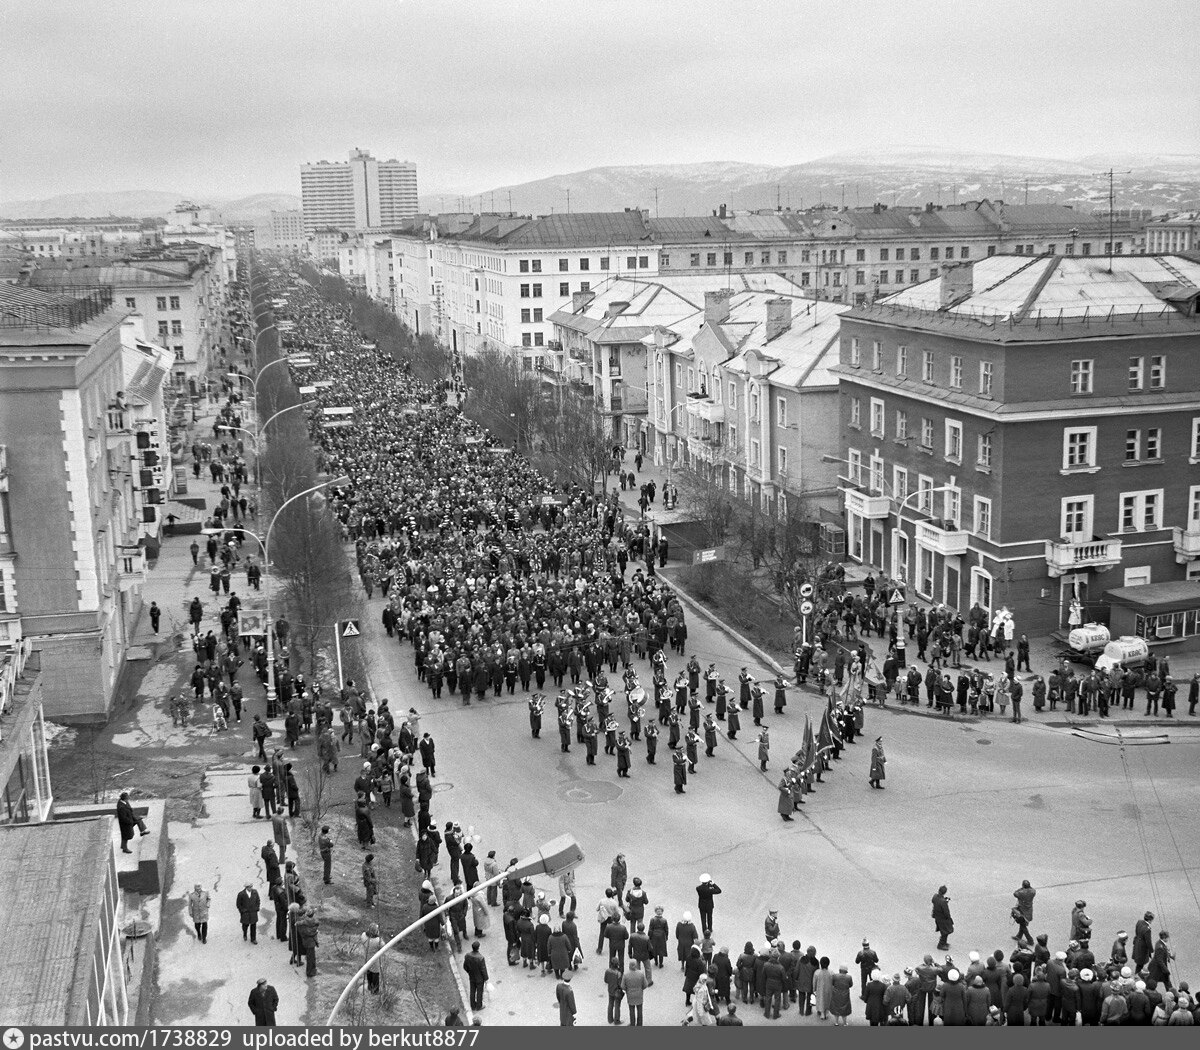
82	433
191	224
81	242
357	194
1023	431
287	230
180	291
26	795
1174	233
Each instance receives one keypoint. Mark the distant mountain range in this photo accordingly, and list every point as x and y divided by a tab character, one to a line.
146	204
895	176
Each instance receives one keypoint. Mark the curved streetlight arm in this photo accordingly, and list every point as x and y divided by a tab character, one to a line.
554	858
343	480
298	404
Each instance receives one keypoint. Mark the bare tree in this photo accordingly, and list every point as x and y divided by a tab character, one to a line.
704	487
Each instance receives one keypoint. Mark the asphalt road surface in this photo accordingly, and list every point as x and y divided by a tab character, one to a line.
977	805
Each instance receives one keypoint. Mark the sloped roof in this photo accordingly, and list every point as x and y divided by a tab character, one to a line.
806	350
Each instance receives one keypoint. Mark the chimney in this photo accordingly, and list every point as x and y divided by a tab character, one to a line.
615	309
779	317
580	300
716	306
957	283
722	212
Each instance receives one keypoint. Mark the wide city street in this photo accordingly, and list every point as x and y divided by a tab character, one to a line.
978	805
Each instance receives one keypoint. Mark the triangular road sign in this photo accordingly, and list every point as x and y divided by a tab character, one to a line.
350	629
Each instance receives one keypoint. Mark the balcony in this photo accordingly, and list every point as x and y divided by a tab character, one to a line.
579	353
944	537
1187	544
1063	556
872	508
554	346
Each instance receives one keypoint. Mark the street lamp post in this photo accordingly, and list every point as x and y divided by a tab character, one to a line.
553	859
670	430
260	435
264	543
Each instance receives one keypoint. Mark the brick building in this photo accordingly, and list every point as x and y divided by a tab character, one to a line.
1024	431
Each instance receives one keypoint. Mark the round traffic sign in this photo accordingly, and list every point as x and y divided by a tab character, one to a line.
806	608
806	590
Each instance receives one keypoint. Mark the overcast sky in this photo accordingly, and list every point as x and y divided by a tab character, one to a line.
228	97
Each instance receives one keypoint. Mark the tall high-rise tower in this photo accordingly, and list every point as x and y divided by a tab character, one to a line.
361	193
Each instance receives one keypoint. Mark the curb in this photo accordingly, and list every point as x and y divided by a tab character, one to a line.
722	626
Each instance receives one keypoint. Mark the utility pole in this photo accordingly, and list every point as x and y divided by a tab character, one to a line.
1027	189
510	202
656	202
568	201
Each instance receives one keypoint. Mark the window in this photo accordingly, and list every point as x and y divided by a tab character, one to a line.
1051	249
1081	377
877	355
901	425
983	452
877	417
178	353
914	276
902	360
856	412
163	329
860	276
1087	247
1158	373
781	460
780	410
804	279
537	291
585	286
1195	438
956	372
177	328
837	278
782	257
1136	370
585	264
564	288
1193	518
174	302
965	253
728	259
854	352
755	454
524	291
860	255
900	484
523	266
876	479
985	378
162	302
604	262
982	523
526	339
538	339
710	259
631	262
537	315
748	259
914	254
525	317
933	255
664	260
854	459
1141	511
1076	519
766	259
927	366
732	397
643	262
563	265
899	276
537	265
925	494
130	303
1079	448
954	439
1154	443
899	255
927	433
933	272
694	259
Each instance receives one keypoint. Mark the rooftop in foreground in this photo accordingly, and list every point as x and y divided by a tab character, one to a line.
53	877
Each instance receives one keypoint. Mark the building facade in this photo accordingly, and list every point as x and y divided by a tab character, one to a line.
287	230
86	462
26	794
1174	233
1025	432
360	193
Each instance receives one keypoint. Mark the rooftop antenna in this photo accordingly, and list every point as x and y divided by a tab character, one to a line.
510	202
568	200
656	202
1111	211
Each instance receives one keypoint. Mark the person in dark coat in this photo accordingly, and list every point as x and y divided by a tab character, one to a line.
1143	942
248	906
263	1003
873	993
693	967
560	952
658	930
127	820
878	760
565	996
475	967
1016	1000
943	924
977	1002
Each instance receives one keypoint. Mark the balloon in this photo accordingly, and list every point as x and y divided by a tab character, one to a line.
477	839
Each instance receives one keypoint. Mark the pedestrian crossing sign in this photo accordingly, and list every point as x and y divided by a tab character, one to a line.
897	597
350	629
